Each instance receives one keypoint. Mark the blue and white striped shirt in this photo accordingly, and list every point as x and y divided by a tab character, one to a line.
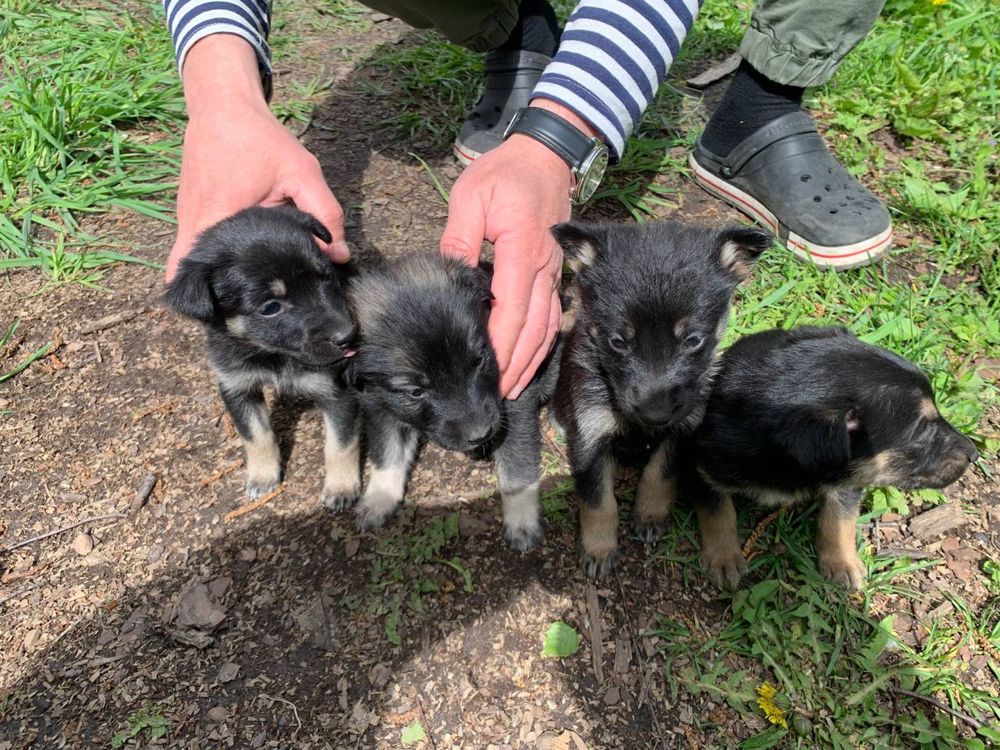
612	58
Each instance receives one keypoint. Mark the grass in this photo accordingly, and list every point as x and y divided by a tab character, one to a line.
89	123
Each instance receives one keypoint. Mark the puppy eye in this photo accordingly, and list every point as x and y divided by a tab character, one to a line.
618	343
271	308
415	391
693	342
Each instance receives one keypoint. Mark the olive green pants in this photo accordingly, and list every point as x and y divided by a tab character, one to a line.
794	42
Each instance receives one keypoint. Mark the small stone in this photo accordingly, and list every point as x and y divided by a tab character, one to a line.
248	554
258	740
379	675
218	714
351	547
154	553
83	543
219	586
612	696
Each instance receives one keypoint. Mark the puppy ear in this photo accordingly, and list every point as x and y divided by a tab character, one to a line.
821	441
313	224
190	292
581	243
738	248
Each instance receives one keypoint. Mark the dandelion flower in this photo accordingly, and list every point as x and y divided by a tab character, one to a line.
938	2
771	710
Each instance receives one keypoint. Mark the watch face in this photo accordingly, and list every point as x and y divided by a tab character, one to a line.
592	173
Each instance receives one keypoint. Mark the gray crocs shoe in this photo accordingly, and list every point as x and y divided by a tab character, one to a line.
784	178
510	78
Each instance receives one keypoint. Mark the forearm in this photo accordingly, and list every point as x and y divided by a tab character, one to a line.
611	61
194	22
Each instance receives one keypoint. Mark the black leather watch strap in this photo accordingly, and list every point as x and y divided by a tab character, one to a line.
550	129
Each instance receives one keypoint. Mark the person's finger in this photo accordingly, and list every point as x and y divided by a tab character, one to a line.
466	228
530	337
182	246
555	317
312	195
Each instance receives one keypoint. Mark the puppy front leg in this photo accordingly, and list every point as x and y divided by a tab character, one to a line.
391	446
263	459
595	481
518	459
721	554
341	452
836	538
656	494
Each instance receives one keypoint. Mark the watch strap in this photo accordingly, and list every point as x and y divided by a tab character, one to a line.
553	131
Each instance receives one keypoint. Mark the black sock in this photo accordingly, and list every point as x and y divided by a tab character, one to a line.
537	29
750	103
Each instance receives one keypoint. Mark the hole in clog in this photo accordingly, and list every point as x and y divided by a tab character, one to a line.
497	109
805	177
816	199
833	210
826	188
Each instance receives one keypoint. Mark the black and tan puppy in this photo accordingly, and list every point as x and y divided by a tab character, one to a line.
813	413
425	368
275	312
653	303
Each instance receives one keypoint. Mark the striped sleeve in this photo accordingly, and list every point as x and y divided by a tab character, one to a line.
191	20
612	58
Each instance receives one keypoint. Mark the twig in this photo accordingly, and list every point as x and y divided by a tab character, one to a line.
19	594
309	122
225	470
913	554
427	724
142	494
111	320
596	639
291	705
974	723
640	658
46	535
15	576
250	507
167	405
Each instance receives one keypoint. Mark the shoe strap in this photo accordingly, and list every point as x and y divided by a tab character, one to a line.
794	123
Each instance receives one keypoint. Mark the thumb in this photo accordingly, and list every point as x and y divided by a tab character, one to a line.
313	196
464	233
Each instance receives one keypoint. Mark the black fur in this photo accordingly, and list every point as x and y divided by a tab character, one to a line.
275	312
425	368
816	413
654	299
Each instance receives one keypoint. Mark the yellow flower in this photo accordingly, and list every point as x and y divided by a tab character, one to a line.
938	2
771	710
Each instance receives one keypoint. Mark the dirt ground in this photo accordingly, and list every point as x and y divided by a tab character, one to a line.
300	656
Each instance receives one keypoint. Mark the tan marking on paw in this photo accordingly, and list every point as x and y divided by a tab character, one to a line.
836	545
721	554
655	495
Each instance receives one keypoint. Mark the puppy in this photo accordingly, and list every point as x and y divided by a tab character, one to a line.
813	413
425	368
653	303
275	312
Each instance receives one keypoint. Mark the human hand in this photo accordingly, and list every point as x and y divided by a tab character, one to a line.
237	154
511	196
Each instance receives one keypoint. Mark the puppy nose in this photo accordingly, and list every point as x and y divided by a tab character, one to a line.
478	433
970	450
344	335
658	406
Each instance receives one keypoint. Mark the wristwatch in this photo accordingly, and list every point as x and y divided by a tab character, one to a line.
587	157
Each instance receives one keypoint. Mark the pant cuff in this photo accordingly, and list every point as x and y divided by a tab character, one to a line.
783	63
494	31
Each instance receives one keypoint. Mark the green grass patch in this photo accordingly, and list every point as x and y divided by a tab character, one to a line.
91	105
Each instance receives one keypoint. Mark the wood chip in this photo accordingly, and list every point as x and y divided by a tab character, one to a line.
937	521
715	73
111	320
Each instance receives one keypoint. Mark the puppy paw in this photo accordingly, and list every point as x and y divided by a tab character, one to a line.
257	487
374	510
724	566
523	537
848	572
649	531
597	567
338	499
